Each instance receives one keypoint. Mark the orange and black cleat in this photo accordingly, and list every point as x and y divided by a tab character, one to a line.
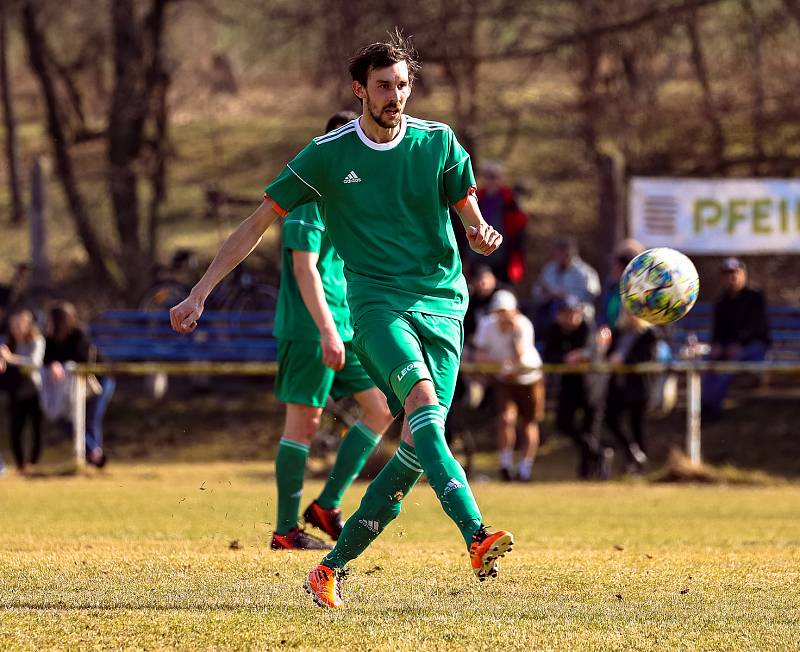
486	549
296	539
324	585
327	520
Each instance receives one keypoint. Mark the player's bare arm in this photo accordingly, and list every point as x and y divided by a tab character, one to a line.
311	289
482	237
234	250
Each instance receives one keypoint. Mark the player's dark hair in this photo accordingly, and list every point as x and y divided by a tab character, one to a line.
339	119
382	55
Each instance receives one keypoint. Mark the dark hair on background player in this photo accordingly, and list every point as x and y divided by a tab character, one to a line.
340	118
382	55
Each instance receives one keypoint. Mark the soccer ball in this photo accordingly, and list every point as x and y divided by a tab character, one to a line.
659	285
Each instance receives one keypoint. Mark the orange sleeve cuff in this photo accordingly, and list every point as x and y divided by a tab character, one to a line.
459	205
276	207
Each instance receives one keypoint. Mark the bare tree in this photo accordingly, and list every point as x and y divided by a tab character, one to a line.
698	59
37	45
10	123
757	76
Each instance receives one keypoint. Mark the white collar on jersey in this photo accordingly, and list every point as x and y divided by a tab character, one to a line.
394	142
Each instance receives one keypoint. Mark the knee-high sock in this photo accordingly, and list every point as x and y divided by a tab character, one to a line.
355	449
444	473
290	469
379	507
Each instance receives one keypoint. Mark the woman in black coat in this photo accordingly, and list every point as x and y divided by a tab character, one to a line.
68	342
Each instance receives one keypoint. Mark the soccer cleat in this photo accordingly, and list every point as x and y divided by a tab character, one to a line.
324	585
296	539
486	550
327	520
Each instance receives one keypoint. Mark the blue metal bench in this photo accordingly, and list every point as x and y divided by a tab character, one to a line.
144	336
784	326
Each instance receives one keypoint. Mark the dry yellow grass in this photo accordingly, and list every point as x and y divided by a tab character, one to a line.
141	558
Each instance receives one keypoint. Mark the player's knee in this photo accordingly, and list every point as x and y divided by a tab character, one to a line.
421	394
308	428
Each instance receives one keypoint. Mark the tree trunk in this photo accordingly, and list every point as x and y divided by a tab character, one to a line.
158	170
35	41
10	122
140	85
709	108
125	128
757	116
158	80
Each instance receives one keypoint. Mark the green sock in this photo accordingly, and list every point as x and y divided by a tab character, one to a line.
379	507
290	469
444	472
355	449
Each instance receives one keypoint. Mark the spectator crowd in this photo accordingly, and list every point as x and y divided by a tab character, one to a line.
570	316
39	346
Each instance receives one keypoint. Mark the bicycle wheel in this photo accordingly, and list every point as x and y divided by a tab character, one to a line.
258	298
163	295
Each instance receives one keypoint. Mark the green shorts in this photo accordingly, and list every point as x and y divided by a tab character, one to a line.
398	349
303	379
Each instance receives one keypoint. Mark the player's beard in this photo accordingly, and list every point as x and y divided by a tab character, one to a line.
383	120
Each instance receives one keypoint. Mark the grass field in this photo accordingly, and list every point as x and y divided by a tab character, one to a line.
143	557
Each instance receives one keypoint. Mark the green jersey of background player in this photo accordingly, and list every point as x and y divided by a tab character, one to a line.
315	359
384	184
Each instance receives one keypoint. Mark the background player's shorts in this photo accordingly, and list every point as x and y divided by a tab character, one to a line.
303	379
398	349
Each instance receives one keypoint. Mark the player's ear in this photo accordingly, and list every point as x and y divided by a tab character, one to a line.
358	90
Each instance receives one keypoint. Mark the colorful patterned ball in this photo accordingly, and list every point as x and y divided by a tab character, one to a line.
659	285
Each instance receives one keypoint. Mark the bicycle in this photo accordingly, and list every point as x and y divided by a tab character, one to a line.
240	292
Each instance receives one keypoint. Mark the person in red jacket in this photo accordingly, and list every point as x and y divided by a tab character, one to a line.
501	210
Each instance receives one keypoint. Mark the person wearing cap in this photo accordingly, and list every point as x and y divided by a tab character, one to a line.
566	274
570	340
505	337
740	330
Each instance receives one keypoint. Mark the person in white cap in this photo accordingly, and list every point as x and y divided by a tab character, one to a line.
505	336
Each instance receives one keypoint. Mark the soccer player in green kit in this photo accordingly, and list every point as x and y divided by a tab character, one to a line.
384	184
315	359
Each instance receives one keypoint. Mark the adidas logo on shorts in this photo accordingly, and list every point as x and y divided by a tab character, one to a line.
372	526
351	177
452	486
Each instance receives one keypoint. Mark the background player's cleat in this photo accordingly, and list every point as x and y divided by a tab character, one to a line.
296	539
486	549
324	585
327	520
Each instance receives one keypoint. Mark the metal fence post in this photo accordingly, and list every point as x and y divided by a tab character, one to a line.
693	406
79	418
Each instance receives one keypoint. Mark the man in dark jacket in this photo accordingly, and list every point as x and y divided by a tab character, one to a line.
740	330
570	340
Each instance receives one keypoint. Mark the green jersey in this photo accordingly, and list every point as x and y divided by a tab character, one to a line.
386	209
304	230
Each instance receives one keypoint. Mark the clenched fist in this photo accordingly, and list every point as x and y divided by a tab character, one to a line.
183	317
483	239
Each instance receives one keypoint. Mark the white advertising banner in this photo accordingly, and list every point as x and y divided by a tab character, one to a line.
716	216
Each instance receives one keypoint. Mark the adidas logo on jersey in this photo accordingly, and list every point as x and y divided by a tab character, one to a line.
452	486
352	177
372	526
